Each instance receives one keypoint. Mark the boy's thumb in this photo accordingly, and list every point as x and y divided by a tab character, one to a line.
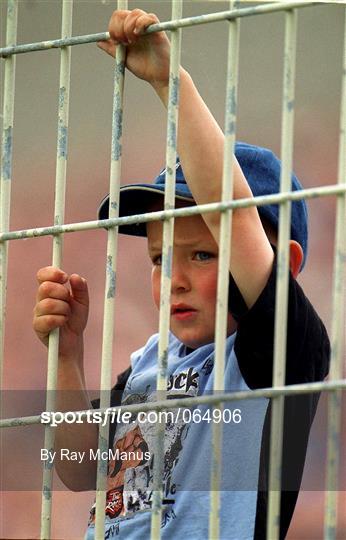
107	46
79	289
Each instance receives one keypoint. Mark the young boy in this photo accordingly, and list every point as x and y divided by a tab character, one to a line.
62	302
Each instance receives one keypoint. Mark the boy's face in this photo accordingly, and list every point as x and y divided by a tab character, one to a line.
194	279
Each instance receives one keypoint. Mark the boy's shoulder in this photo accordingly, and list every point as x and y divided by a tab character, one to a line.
308	347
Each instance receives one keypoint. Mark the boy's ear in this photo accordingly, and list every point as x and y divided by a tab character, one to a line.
296	257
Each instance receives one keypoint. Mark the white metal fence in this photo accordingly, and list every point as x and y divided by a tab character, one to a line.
336	383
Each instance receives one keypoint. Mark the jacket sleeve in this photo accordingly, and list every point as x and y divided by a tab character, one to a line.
307	350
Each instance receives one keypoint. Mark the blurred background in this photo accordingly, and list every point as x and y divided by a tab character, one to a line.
317	110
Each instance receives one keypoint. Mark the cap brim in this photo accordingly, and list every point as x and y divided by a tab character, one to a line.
138	199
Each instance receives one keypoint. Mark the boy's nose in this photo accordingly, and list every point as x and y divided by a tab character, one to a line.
180	278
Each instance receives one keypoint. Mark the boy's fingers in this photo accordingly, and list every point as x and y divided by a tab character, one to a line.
51	273
50	289
125	26
79	289
130	23
143	22
45	324
136	23
50	306
116	25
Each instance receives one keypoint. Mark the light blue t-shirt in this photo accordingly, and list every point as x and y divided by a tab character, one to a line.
187	449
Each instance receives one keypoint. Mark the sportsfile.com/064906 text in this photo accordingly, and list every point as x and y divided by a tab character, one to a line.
196	416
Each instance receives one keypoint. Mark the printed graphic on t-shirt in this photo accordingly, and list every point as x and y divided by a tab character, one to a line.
131	465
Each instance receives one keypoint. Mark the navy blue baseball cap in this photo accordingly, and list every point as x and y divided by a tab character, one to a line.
261	169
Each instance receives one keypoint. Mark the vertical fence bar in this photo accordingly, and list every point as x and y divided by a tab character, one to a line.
110	282
59	212
281	303
6	163
223	268
335	397
166	274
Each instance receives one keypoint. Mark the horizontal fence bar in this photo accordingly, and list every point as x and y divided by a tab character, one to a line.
169	25
53	44
162	215
294	389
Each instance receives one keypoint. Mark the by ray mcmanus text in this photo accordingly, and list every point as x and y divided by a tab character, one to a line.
65	454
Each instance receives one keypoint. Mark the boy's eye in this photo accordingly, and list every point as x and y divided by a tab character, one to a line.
203	256
157	260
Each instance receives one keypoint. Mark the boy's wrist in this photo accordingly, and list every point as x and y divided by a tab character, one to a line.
162	87
74	354
71	371
162	90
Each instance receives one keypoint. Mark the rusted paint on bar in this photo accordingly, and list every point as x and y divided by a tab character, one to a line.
167	266
110	277
62	141
59	211
46	492
7	153
117	115
281	303
338	330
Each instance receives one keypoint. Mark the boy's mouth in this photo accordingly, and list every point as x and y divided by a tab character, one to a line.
182	311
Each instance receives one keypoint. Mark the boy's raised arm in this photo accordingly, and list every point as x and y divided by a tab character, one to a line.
200	148
66	307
